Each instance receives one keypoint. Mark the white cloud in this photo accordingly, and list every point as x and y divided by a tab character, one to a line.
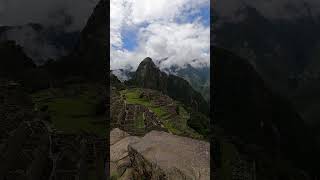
146	10
158	33
34	45
117	18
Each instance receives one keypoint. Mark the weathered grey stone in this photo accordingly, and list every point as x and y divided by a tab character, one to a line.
119	150
116	135
120	161
162	155
123	164
128	174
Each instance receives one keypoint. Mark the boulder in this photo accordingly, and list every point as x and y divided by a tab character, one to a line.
119	159
116	135
163	155
119	150
128	174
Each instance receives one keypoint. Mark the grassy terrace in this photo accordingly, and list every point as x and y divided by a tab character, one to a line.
177	125
72	109
140	122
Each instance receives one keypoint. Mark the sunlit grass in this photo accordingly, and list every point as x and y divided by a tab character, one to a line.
176	125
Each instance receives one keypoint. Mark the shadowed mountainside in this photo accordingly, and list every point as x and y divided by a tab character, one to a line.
89	59
64	125
246	108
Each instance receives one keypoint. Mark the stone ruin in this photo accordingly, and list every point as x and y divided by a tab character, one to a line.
125	116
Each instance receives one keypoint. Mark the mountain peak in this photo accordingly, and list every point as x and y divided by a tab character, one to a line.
147	59
148	74
147	62
147	66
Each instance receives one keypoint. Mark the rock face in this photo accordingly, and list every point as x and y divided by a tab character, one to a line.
116	135
120	163
92	49
149	76
158	155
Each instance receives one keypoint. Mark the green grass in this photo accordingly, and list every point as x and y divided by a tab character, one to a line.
132	97
114	176
72	111
159	111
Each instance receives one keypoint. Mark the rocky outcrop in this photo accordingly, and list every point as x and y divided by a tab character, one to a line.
158	155
149	76
120	163
116	135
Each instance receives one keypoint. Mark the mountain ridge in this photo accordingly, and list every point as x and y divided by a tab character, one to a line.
148	75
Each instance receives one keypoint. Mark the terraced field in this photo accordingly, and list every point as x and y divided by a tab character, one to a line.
73	108
171	113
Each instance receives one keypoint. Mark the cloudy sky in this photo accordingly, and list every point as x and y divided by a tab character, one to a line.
63	15
174	29
72	14
271	9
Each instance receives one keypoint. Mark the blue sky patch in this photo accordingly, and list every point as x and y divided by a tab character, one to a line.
130	34
189	17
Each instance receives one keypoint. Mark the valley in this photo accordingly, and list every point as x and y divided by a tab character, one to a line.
142	113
